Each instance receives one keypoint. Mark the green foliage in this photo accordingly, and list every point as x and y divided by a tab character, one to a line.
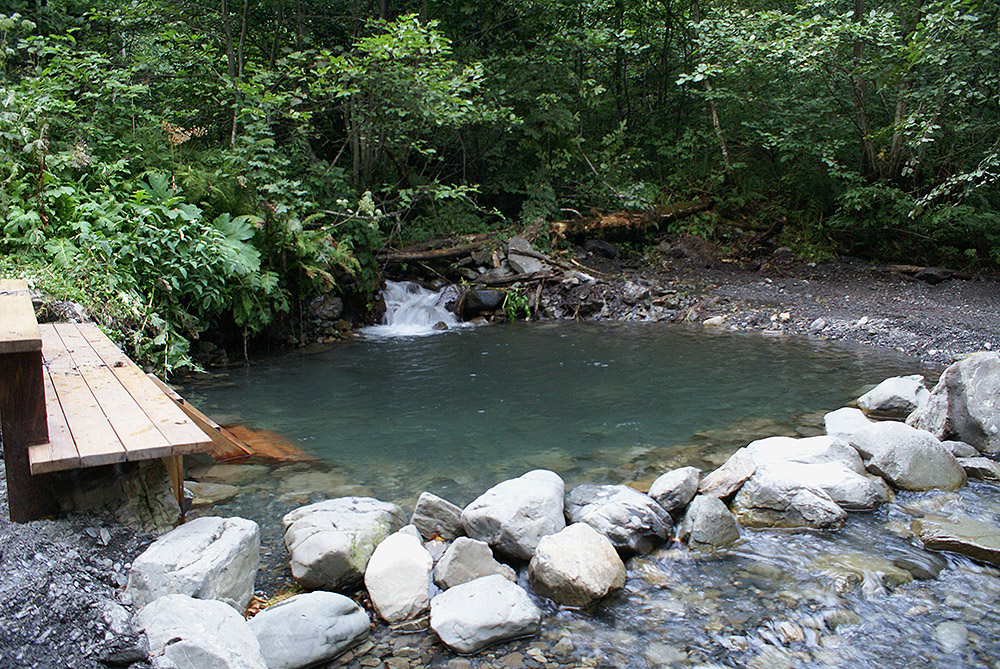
516	304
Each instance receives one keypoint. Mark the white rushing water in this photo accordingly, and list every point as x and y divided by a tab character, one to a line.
412	311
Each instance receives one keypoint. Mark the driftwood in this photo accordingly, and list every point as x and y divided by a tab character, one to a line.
618	221
516	278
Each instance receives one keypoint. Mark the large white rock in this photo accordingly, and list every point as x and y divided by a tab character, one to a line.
770	499
514	515
908	458
398	577
823	449
308	629
474	615
330	541
895	397
675	489
844	485
576	567
466	560
206	558
965	404
437	517
199	634
708	525
631	520
845	422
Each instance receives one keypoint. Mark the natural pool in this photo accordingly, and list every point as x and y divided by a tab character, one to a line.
457	412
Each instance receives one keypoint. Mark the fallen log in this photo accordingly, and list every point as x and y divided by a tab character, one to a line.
618	221
391	257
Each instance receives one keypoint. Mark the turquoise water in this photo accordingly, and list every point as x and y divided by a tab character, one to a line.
477	405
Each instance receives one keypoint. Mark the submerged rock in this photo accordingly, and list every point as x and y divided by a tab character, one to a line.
437	517
398	577
307	629
466	560
908	458
960	534
896	397
199	634
330	541
963	405
207	558
675	489
477	614
631	520
514	515
576	567
708	525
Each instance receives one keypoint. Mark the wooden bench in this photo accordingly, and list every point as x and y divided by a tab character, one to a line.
69	399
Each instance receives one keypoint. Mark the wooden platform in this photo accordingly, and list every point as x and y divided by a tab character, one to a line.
101	408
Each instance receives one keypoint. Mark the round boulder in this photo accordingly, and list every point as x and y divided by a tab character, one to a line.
398	577
675	489
477	614
631	520
576	567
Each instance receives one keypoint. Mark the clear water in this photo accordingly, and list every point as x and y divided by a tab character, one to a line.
460	411
483	404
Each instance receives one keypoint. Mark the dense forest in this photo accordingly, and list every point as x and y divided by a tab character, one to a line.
184	166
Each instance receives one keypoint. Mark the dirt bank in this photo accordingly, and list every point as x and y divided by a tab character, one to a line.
843	299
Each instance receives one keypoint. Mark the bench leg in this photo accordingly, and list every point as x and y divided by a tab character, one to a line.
22	424
175	468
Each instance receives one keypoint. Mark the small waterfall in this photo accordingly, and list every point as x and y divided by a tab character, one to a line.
412	310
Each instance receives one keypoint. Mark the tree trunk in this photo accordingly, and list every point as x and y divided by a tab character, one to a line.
712	111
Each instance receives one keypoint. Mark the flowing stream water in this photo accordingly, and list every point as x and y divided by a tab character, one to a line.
391	415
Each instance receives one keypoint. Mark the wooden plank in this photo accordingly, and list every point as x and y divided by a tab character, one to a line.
22	422
137	433
183	435
225	445
18	327
96	440
59	453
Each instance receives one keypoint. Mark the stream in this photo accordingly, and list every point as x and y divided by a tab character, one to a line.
396	413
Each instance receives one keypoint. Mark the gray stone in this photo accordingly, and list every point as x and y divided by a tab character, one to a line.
477	614
708	525
951	636
633	293
960	534
398	577
206	494
520	262
631	520
207	558
896	397
675	489
466	560
727	479
960	449
514	515
817	326
980	468
576	567
845	422
326	307
330	541
908	458
963	405
436	517
472	302
308	629
769	499
199	634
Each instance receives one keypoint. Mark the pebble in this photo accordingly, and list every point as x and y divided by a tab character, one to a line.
951	636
